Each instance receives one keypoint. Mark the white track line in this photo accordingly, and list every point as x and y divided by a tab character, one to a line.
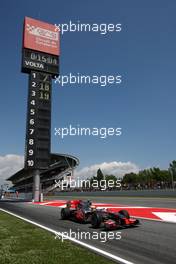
95	249
152	219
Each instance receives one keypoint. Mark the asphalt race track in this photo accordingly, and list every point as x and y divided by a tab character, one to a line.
152	242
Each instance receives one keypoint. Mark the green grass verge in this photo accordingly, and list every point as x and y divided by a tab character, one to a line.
23	243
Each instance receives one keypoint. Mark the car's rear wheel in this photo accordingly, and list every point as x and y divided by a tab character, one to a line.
96	220
124	213
65	213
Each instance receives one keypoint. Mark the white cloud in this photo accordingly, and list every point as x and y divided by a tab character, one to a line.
116	168
9	164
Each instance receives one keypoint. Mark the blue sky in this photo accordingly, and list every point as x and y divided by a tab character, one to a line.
143	105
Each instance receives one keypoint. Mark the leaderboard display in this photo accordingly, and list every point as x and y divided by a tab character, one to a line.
38	120
40	59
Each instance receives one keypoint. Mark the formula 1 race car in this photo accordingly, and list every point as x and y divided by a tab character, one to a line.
84	212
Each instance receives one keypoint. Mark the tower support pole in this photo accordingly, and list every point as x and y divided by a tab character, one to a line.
36	186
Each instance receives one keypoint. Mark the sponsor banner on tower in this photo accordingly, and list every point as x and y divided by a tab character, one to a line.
40	36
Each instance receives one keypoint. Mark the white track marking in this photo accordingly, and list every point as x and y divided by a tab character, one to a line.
47	203
166	216
93	248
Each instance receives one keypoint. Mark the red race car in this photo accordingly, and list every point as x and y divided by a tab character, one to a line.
84	212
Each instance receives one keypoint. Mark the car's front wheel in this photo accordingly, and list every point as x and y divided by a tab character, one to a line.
96	220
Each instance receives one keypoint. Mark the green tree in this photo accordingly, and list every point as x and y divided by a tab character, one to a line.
111	177
172	168
130	178
100	175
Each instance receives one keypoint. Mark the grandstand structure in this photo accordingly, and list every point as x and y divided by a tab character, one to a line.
60	166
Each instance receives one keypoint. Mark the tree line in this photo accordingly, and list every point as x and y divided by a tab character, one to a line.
151	178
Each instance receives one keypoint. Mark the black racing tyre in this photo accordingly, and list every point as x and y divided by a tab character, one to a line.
124	213
96	219
65	213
